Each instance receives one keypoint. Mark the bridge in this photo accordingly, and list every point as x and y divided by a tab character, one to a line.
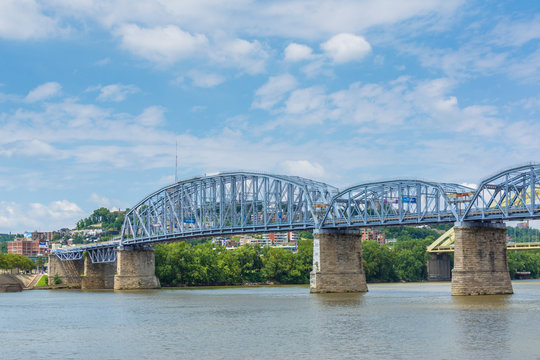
244	202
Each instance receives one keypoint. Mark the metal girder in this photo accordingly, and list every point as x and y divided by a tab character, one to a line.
227	203
396	202
512	194
243	202
98	253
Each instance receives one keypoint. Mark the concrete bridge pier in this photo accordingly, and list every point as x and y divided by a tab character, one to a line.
135	269
69	271
98	275
439	267
337	262
480	264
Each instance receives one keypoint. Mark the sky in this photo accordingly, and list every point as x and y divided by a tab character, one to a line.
95	96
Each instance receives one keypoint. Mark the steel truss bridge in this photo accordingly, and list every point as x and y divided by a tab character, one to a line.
245	202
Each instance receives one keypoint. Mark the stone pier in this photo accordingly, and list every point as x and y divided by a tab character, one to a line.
69	271
135	269
337	262
98	275
480	264
439	267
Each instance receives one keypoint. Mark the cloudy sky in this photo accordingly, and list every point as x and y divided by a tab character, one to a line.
94	95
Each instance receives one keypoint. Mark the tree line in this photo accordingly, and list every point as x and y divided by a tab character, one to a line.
195	264
184	264
16	261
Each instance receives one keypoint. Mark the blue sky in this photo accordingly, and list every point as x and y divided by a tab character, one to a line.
94	95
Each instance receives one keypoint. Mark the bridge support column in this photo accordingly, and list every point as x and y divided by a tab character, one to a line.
439	267
480	264
98	275
337	262
135	269
69	271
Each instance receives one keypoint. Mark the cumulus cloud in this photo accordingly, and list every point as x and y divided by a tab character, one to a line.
273	91
249	56
205	80
114	92
23	19
297	52
162	44
304	168
38	216
43	92
152	116
345	47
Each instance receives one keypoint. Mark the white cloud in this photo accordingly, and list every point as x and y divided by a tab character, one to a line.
114	92
273	91
44	91
100	201
303	101
162	44
517	33
249	56
297	52
152	116
23	19
38	216
345	47
205	80
304	168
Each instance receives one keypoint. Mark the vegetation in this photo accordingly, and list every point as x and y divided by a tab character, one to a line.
181	264
16	261
4	238
523	235
57	280
111	220
44	281
524	261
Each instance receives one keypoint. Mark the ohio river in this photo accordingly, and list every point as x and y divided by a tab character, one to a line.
391	321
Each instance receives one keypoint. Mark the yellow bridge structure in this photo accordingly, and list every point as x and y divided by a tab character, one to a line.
445	244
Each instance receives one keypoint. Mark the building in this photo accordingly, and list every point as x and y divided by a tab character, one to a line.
373	234
279	238
24	247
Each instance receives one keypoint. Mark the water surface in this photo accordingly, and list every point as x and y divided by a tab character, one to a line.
397	321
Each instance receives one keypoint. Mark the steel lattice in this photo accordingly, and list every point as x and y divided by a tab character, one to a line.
240	203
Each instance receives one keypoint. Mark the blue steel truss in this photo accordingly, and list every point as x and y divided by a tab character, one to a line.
397	202
241	202
98	253
513	194
225	204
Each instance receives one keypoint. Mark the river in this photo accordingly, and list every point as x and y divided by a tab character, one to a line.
391	321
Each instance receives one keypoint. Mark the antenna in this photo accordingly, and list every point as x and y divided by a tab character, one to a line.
176	165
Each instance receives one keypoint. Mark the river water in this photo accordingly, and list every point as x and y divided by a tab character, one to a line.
397	321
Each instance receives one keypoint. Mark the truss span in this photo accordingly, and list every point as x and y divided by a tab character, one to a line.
397	202
225	204
513	194
242	202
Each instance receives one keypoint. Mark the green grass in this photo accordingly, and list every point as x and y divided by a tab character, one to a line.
44	281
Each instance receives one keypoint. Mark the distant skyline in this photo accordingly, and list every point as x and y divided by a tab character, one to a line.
94	95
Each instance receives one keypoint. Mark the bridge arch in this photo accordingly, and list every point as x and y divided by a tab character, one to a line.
512	194
397	202
226	204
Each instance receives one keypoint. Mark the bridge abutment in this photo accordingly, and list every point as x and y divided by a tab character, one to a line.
136	269
439	267
337	262
69	271
98	275
480	263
